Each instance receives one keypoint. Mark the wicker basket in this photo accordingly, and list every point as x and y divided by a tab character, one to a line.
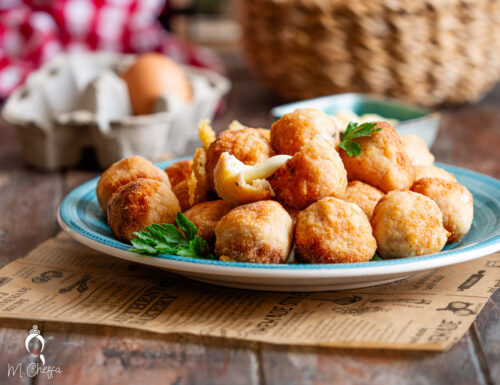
431	52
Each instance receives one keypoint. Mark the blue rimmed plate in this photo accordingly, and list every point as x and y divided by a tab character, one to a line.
81	217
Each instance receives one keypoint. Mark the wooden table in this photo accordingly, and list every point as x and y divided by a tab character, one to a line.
469	137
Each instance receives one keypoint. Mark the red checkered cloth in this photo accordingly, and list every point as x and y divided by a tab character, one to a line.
33	31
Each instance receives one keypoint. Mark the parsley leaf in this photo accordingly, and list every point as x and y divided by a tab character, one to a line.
352	148
167	239
198	245
355	130
186	226
187	252
376	258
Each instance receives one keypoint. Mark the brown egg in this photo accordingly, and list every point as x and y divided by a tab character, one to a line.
152	75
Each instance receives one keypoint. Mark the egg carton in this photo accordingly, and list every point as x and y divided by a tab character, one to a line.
79	101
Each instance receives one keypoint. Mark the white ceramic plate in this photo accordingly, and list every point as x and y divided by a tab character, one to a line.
81	217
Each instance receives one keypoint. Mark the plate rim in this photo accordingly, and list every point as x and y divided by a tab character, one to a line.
184	264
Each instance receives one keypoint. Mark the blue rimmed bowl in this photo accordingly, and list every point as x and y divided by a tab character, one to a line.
81	217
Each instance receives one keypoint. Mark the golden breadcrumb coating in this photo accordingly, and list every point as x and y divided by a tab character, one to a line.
124	171
181	191
205	217
407	224
432	172
265	132
236	125
138	204
334	231
246	144
294	130
197	181
417	150
455	202
315	172
179	171
383	163
206	133
363	195
259	232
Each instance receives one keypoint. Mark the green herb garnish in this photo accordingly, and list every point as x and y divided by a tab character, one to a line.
355	130
167	239
376	258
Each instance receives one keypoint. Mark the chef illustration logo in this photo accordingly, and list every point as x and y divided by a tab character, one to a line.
35	366
34	350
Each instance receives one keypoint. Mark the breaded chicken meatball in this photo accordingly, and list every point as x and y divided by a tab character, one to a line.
417	150
315	172
455	202
179	171
246	144
125	171
197	182
383	163
138	204
205	217
259	232
363	195
238	183
407	224
265	132
334	231
181	191
294	130
432	172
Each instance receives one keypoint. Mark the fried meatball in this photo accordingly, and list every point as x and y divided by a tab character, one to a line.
125	171
179	171
407	224
181	191
138	204
363	195
417	150
455	202
294	130
206	133
205	217
432	172
233	185
246	144
259	232
265	132
334	231
315	172
197	182
383	163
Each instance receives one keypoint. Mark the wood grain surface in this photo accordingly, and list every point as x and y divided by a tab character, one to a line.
469	137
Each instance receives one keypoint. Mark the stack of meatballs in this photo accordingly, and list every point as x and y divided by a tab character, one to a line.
256	194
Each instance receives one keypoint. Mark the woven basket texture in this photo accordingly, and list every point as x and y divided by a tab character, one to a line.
431	52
